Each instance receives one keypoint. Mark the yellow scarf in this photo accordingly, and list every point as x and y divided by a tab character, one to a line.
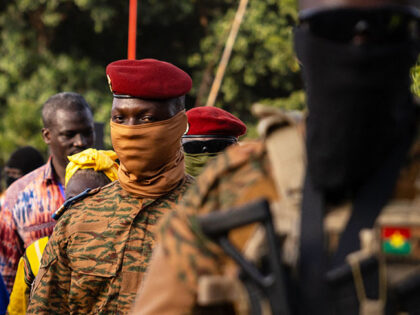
98	160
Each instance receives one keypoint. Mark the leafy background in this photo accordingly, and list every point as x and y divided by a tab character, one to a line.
49	46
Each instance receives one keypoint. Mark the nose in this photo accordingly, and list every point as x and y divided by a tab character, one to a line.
131	121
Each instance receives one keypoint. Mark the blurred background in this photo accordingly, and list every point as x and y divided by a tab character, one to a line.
49	46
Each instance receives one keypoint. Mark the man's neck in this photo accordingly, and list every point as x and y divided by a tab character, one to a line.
59	170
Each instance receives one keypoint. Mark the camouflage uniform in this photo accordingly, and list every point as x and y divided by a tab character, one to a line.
184	255
99	251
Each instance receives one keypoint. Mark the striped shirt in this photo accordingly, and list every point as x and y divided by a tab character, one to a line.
26	216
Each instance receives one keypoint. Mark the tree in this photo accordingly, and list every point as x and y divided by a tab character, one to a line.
262	67
48	46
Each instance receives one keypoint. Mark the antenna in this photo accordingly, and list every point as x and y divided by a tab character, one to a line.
132	29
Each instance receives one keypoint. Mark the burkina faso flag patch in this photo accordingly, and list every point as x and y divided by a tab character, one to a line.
396	240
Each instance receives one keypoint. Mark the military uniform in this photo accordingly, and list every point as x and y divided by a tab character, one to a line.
185	260
99	251
210	131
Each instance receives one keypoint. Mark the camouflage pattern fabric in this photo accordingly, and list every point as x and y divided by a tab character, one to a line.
99	251
184	254
240	174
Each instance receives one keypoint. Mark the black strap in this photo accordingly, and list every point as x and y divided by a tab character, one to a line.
312	259
371	199
367	205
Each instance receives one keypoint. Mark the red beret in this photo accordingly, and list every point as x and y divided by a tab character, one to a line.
147	78
213	121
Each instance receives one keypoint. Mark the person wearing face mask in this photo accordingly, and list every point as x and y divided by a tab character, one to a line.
210	131
21	162
100	248
340	187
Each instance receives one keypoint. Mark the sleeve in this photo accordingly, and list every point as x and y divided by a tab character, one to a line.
184	255
51	289
18	297
176	265
11	247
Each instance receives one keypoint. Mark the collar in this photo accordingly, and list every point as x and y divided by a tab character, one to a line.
49	176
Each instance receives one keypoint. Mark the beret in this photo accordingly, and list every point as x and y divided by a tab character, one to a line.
147	78
213	121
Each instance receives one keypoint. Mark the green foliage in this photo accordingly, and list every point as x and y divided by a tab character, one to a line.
37	61
415	76
49	46
262	65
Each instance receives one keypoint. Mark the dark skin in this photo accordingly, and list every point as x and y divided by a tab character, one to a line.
79	182
136	111
71	132
13	172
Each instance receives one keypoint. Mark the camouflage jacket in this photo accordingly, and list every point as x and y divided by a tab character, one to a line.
99	251
183	254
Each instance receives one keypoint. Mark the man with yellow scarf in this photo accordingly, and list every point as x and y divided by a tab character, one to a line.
88	169
101	246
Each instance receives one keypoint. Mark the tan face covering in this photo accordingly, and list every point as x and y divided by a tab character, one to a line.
152	162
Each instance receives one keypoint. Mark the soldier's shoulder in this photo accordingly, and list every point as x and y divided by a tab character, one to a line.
233	159
90	198
237	155
236	162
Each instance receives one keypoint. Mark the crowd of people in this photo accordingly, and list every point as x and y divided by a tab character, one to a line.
320	216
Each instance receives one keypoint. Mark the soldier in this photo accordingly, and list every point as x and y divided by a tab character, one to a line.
101	246
360	178
210	131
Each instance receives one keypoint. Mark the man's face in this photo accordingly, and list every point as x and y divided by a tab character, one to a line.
13	172
135	111
70	133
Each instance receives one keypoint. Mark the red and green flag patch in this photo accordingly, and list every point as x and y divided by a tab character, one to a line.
396	240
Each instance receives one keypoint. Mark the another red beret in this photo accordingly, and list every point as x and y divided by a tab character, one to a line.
213	121
147	78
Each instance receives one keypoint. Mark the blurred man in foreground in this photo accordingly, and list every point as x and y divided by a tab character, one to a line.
30	201
347	218
210	131
101	246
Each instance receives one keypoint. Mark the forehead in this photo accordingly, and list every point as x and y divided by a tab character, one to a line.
318	4
140	104
71	119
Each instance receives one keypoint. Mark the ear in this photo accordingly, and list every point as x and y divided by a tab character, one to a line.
46	135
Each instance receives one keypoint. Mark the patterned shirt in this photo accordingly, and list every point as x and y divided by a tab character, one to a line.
26	216
99	252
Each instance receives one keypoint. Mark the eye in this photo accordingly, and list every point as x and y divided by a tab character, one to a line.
147	119
68	135
118	119
144	119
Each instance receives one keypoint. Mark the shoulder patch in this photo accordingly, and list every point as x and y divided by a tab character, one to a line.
68	203
226	162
